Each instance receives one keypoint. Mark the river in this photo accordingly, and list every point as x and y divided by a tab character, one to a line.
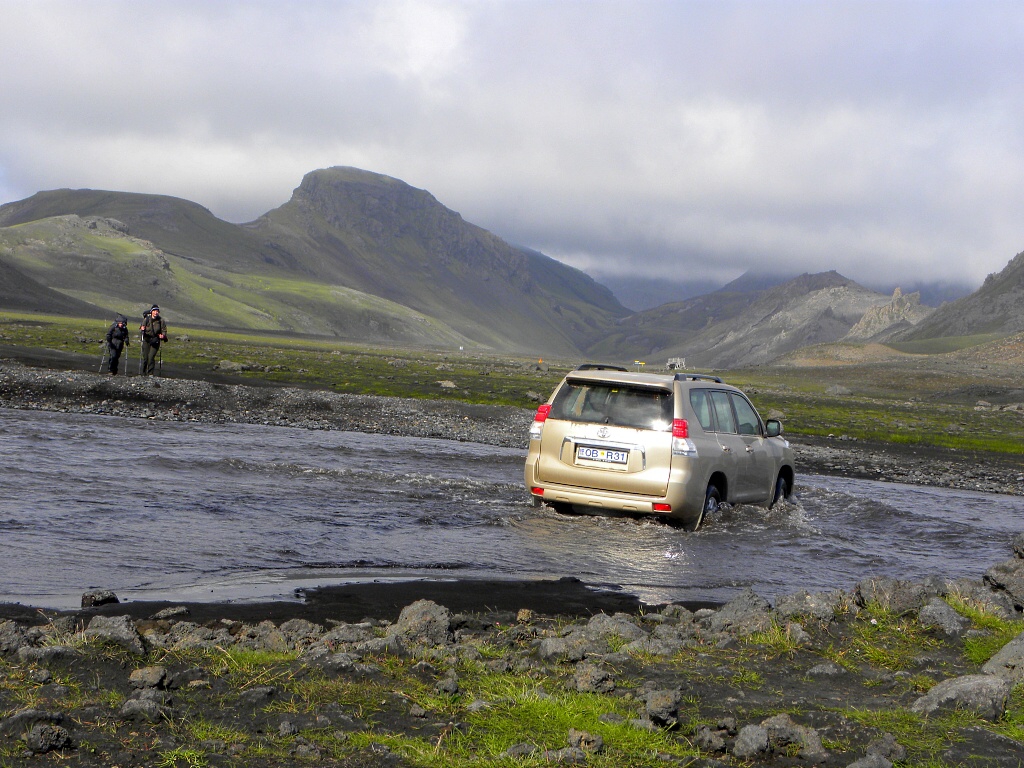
173	511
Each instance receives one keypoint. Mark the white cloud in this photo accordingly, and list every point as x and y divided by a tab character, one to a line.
646	136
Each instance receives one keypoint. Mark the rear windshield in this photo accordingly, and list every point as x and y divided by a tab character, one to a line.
620	406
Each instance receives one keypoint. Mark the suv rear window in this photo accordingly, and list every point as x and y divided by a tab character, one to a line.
614	404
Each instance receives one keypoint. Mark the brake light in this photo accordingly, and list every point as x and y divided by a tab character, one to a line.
682	445
663	507
537	491
538	421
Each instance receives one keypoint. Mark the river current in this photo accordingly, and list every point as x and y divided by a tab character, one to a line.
173	511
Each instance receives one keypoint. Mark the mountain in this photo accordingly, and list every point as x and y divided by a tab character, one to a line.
882	323
736	327
353	254
997	307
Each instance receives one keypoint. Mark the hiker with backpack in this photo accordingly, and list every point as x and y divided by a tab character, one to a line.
117	339
154	331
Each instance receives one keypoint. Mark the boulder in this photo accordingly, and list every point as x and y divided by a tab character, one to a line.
751	741
821	606
590	678
12	637
782	732
900	597
119	630
662	707
743	615
938	613
98	597
1009	661
46	737
148	677
1008	577
621	625
985	695
424	623
588	742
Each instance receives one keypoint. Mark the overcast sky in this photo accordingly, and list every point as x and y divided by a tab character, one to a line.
692	139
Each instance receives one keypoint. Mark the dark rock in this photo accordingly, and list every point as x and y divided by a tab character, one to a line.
96	597
12	637
424	623
871	761
143	711
119	630
826	669
47	737
985	695
900	597
588	742
782	732
887	746
589	678
821	606
148	677
1008	577
938	613
566	756
662	707
20	723
1008	662
709	740
751	741
743	615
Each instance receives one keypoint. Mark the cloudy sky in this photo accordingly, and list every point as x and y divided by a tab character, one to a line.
680	138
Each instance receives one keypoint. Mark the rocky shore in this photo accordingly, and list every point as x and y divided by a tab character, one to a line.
177	399
889	672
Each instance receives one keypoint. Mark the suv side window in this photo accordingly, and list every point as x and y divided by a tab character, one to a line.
724	416
750	424
701	407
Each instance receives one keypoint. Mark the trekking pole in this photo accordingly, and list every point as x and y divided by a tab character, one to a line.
160	358
141	354
103	357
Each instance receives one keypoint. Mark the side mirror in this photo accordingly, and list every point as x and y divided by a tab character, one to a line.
772	428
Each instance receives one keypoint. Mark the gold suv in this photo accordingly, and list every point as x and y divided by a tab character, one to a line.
676	445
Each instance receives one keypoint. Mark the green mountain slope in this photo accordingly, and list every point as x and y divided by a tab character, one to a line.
353	254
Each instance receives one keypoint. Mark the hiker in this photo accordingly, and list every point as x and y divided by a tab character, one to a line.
117	339
154	330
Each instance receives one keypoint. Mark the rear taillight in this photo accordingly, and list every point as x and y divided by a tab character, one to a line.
663	507
682	445
538	421
537	491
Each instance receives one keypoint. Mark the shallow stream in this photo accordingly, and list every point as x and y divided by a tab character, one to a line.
165	510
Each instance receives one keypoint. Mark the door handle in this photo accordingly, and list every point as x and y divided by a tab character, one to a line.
726	449
749	449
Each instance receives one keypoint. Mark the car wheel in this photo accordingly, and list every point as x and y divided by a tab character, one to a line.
561	507
712	500
781	491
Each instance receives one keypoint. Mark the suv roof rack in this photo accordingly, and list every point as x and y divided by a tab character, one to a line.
697	377
599	367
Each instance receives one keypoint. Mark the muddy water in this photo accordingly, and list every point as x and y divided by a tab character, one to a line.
161	510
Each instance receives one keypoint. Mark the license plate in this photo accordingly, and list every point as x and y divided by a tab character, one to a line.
606	455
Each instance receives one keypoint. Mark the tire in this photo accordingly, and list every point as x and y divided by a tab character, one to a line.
712	500
781	491
561	507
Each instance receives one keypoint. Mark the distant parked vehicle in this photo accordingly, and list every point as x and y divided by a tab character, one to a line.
676	445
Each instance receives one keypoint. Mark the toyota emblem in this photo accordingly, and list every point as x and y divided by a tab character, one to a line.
603	432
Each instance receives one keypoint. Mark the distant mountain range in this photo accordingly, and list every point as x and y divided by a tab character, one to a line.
367	258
